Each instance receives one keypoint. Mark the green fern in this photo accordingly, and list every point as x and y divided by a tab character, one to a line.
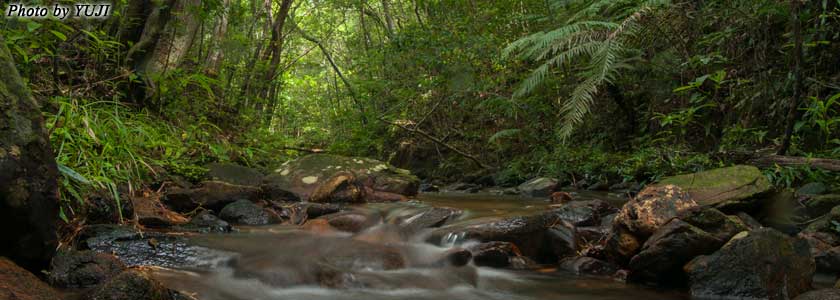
593	45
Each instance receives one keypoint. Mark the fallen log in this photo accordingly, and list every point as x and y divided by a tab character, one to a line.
795	161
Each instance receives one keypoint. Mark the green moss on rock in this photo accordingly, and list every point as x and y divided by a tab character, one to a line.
736	187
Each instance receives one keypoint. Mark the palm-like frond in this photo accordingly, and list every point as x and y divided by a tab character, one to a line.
590	39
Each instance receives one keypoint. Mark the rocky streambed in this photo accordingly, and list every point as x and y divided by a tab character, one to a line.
331	227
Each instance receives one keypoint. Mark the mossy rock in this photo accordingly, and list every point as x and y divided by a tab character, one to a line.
304	175
729	189
821	204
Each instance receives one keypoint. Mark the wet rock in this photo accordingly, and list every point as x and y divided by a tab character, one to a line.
352	221
827	223
563	239
274	192
151	213
19	284
580	265
623	186
825	248
245	212
102	208
812	189
213	195
652	208
304	175
454	257
340	188
83	269
749	221
711	220
620	245
599	186
319	226
462	188
759	264
821	204
560	198
432	217
663	255
538	187
493	254
234	174
526	232
428	188
583	213
510	191
380	196
314	210
206	222
132	284
135	248
729	189
822	294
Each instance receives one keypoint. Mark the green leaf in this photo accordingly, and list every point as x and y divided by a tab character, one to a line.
59	35
72	174
32	26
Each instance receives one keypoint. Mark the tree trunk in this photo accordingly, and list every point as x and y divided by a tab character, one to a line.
216	53
28	186
797	77
275	49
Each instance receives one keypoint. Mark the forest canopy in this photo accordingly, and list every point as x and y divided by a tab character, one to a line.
593	90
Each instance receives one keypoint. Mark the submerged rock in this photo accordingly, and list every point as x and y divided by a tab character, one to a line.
653	207
760	264
213	195
133	284
429	218
352	220
19	284
246	212
581	265
304	175
538	187
83	269
729	189
494	254
528	233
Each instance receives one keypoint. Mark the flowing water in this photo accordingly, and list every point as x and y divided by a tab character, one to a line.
285	262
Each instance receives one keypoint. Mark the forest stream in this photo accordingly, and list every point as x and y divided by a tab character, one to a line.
276	262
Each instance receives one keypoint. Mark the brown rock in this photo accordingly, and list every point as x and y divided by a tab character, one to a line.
340	188
580	265
18	284
213	195
151	213
653	207
132	284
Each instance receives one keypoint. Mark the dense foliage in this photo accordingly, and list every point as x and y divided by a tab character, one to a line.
578	89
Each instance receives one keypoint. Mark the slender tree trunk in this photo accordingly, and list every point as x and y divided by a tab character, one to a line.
276	46
216	53
797	77
336	69
389	20
28	186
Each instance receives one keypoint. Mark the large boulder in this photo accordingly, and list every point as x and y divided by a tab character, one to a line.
653	207
19	284
28	172
213	195
304	175
234	174
663	255
83	269
733	188
759	264
132	284
538	187
342	187
713	221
